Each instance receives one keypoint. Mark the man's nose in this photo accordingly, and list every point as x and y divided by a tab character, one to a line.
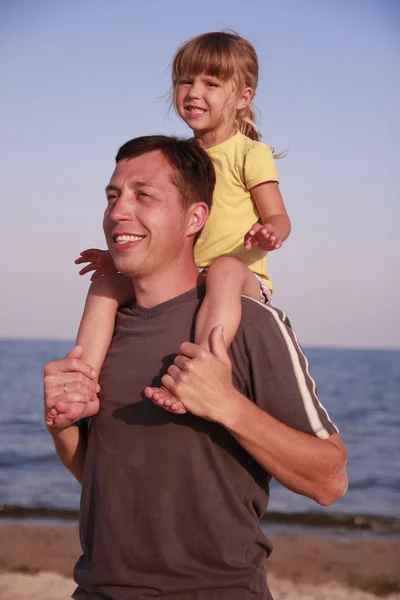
122	210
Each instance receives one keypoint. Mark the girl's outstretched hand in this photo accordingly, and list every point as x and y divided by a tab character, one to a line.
264	236
100	262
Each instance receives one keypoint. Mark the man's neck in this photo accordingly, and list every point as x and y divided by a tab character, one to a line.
156	289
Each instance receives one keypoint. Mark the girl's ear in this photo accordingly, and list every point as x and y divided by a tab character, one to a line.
245	98
196	217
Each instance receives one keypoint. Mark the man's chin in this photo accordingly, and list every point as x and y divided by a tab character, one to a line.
127	268
130	272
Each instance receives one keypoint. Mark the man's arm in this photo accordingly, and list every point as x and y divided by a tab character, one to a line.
303	463
70	394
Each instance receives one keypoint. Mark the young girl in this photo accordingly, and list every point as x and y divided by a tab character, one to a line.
214	79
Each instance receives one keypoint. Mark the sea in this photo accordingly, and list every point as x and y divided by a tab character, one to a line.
359	388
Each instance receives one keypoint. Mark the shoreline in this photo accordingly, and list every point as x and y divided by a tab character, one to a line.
299	567
281	523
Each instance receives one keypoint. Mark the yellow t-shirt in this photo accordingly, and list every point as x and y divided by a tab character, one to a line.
240	164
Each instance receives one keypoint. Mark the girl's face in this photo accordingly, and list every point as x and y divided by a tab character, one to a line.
207	104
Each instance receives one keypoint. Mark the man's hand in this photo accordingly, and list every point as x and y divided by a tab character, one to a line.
70	390
100	262
264	236
200	380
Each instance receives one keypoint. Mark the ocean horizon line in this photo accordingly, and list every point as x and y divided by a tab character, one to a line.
304	345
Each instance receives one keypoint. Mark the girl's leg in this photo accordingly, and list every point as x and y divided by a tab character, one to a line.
96	329
97	325
226	281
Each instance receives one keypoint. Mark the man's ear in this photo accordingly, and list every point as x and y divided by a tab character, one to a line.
196	217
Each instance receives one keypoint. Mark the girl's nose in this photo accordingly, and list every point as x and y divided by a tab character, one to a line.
194	90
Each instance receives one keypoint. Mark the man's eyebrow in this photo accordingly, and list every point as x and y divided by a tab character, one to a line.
112	188
135	184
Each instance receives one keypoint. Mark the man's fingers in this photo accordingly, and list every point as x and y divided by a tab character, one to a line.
178	408
191	350
71	363
59	403
183	362
174	372
72	381
169	383
75	352
74	386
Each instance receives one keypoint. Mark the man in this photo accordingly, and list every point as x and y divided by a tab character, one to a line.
170	503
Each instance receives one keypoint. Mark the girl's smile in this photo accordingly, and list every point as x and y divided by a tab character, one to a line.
207	104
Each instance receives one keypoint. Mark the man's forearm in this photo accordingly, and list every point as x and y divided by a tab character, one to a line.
70	446
301	462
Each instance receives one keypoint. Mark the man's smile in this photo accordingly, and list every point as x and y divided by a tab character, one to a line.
124	241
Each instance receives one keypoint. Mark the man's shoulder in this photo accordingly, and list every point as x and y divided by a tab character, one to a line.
258	318
261	312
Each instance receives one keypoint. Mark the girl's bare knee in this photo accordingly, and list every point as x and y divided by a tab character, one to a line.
227	266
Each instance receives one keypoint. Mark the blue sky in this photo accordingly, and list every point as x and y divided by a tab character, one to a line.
79	78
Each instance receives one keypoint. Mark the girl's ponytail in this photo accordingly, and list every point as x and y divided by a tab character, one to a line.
246	123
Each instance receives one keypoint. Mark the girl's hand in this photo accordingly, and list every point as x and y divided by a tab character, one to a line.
100	262
264	236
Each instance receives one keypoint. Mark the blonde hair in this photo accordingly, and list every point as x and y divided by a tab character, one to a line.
228	57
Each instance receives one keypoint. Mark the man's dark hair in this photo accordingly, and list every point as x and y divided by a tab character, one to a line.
194	172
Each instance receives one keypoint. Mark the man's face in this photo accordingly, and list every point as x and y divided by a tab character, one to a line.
144	222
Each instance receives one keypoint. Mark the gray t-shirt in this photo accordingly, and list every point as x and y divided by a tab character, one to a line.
171	503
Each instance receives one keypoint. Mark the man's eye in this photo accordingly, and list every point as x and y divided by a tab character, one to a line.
112	198
143	194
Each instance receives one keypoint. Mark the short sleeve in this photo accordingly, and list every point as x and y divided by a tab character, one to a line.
281	382
259	165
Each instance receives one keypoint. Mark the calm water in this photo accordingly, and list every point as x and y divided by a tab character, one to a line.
359	388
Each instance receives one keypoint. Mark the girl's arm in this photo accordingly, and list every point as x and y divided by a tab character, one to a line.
275	223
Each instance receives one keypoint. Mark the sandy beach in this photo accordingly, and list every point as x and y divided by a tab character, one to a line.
36	563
